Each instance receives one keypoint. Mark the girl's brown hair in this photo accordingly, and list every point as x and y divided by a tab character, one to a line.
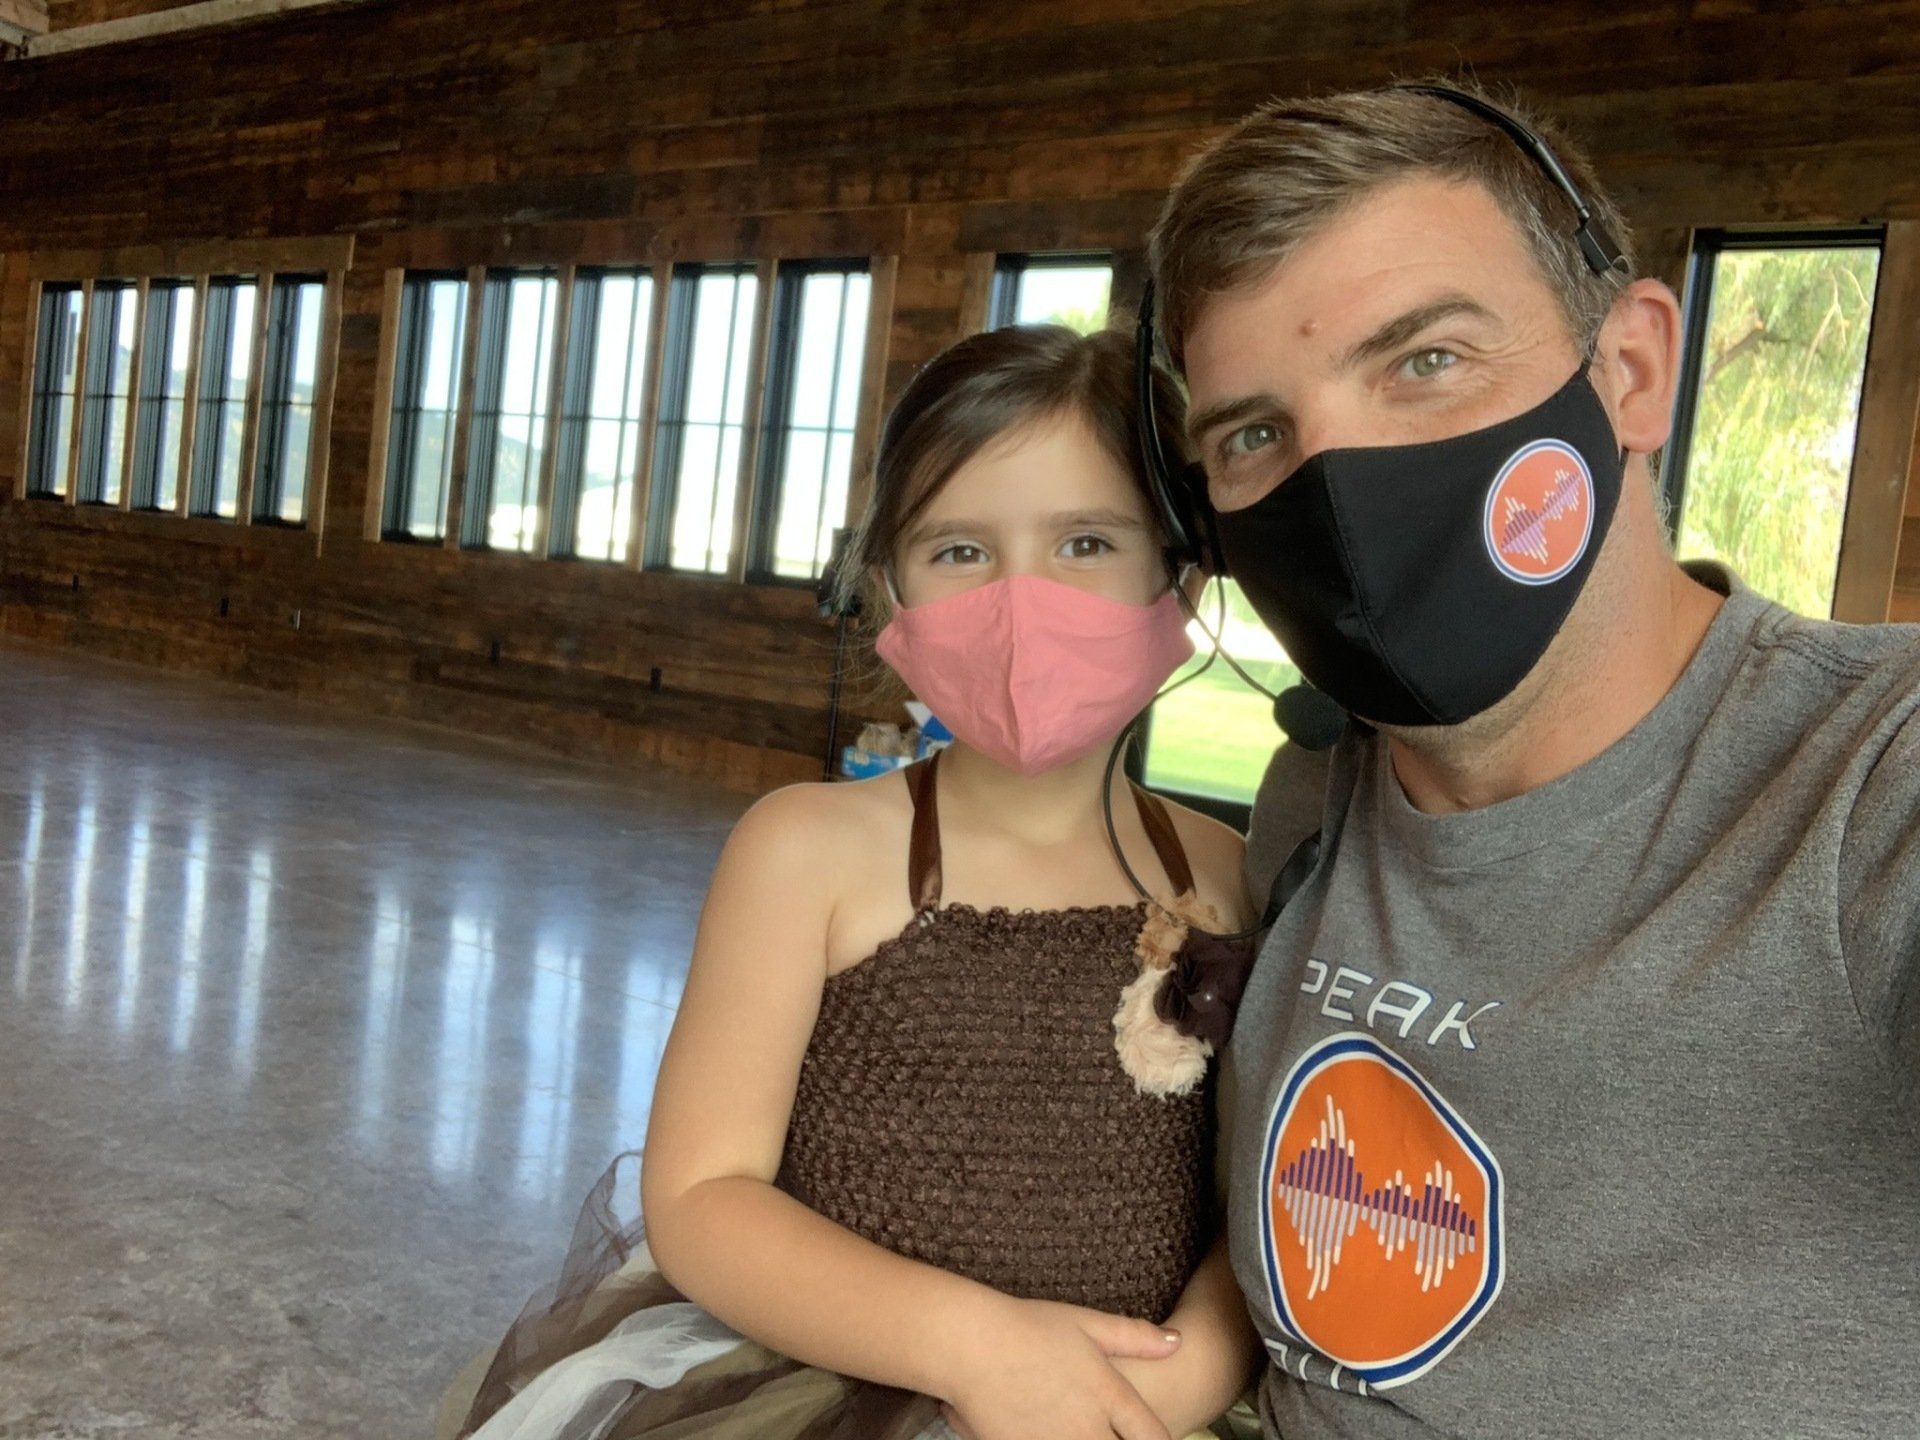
973	392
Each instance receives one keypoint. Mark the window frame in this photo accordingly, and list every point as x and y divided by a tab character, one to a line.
40	427
573	419
95	468
1011	268
481	399
149	404
203	494
403	422
1709	244
274	410
675	380
782	351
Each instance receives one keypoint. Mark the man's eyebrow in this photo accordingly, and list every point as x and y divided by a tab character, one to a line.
1402	328
1225	412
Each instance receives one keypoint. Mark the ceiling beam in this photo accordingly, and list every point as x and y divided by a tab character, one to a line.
179	20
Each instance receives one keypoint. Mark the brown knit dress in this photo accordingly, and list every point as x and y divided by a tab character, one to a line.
960	1102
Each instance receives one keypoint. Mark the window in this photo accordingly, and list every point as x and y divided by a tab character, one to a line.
226	367
426	393
507	446
1764	425
813	397
160	416
600	414
698	443
56	387
1211	738
287	397
1066	289
107	396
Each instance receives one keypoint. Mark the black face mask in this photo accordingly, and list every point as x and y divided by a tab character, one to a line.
1418	584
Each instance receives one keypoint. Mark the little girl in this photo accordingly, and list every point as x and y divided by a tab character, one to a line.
931	1146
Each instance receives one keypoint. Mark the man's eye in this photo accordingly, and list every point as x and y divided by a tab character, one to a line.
1425	364
1249	438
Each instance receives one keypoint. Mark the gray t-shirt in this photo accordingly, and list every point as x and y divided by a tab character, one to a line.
1595	1112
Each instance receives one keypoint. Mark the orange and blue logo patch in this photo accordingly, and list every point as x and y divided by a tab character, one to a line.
1380	1213
1539	513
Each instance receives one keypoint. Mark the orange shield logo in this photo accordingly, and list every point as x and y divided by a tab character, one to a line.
1539	513
1381	1213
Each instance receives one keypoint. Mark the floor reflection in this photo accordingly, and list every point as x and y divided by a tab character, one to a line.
312	1018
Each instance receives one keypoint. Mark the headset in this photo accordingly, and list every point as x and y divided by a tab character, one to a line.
1179	487
1187	516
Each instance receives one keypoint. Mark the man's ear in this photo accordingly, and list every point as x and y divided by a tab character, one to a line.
1639	355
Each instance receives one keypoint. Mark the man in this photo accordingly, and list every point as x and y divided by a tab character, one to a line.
1575	1091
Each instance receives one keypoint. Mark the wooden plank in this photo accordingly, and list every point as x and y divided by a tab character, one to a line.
250	416
748	480
556	388
140	298
463	416
190	410
176	20
650	413
319	462
25	439
71	493
872	412
381	405
27	16
1883	449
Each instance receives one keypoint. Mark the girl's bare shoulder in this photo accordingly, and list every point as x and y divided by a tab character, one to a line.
1217	852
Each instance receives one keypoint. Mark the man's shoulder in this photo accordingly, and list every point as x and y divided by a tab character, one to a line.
1811	678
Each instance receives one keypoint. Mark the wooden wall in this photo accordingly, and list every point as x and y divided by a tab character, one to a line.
661	129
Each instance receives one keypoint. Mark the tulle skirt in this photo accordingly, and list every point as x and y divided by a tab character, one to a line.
611	1351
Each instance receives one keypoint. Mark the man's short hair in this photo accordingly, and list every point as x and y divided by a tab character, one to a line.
1252	196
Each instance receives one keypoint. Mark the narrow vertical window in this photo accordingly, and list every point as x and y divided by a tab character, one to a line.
107	392
699	441
813	398
160	415
511	384
1769	406
56	389
600	414
286	399
226	367
426	397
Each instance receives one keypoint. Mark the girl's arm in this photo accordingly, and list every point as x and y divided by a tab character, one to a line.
1219	1351
766	1264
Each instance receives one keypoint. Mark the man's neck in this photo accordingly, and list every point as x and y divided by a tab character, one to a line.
1588	693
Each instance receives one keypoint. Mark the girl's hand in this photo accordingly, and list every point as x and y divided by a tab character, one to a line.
1045	1372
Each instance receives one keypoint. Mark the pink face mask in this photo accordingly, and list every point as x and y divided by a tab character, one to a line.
1033	672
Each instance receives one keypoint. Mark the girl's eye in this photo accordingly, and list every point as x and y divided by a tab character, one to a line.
1086	547
958	555
1249	438
1425	364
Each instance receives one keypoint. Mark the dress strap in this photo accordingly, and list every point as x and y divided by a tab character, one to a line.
1166	839
923	848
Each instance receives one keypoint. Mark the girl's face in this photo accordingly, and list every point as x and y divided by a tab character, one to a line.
1044	499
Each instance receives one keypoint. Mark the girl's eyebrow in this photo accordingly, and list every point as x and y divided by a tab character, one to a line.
1060	520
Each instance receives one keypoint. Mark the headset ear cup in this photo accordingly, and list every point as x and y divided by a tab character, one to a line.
1201	523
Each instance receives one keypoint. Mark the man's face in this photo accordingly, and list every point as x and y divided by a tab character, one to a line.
1416	314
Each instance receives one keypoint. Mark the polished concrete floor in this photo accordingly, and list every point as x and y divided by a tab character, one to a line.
313	1031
